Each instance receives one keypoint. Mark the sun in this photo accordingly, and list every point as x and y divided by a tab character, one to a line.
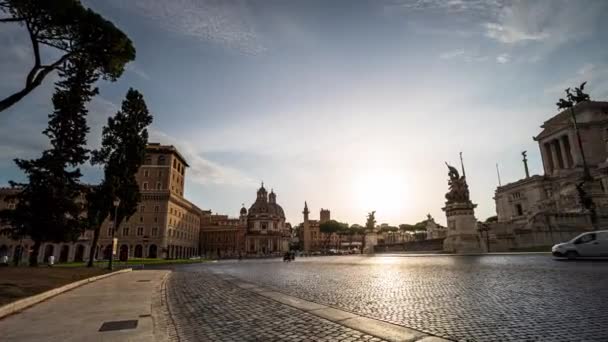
380	189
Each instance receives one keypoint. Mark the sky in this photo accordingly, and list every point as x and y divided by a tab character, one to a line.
352	106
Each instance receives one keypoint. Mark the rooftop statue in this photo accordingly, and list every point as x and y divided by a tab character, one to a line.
371	220
459	190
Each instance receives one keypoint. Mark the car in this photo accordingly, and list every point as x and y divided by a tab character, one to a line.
589	244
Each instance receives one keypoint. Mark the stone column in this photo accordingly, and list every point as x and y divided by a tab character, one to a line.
553	147
562	148
547	158
576	151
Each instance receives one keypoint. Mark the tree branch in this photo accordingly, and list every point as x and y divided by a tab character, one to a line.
11	20
40	74
30	76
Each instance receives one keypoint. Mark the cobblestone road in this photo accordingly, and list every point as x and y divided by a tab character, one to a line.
206	308
489	298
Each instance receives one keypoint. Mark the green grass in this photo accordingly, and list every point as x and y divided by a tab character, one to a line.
135	262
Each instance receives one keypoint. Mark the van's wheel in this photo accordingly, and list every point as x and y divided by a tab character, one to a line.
571	255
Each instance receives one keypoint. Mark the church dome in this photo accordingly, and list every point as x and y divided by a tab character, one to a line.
243	211
265	205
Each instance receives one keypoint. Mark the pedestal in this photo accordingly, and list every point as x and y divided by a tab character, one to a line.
462	236
371	240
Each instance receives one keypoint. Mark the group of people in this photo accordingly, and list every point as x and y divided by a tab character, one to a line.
289	256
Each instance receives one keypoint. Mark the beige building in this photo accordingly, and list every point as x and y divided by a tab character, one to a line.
267	231
544	209
223	236
313	240
166	225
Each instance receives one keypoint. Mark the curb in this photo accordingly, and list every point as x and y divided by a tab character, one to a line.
371	326
24	303
412	255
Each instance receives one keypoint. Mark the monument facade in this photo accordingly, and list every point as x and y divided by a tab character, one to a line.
461	235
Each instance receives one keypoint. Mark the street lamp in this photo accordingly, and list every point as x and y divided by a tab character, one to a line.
116	204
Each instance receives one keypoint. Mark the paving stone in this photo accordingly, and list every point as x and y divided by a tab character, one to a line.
487	298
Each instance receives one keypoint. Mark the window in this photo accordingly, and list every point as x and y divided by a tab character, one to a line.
160	173
161	160
110	231
585	238
174	164
156	209
519	209
140	231
155	219
125	231
142	208
148	160
146	173
158	186
141	219
154	231
145	187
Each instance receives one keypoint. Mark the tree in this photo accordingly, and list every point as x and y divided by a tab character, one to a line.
331	227
65	26
49	207
122	152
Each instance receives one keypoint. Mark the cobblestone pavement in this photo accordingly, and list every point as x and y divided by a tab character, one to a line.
488	298
206	308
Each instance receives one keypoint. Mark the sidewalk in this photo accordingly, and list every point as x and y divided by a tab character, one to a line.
79	314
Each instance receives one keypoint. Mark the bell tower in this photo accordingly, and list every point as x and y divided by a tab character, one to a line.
306	235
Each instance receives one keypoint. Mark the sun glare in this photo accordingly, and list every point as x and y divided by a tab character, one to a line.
381	190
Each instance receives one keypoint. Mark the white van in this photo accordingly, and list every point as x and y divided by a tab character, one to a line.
590	244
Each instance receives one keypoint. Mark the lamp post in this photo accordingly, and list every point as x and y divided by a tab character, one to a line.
116	204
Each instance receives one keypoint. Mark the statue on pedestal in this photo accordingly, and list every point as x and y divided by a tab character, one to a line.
459	190
371	221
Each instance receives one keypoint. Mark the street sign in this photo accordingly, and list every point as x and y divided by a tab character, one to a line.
114	245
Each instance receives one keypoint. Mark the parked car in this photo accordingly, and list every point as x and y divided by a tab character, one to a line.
590	244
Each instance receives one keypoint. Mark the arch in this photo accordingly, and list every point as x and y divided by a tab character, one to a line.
64	253
48	251
123	255
79	255
139	251
153	251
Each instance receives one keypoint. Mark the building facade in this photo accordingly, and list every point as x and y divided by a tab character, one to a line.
545	209
312	238
267	231
166	225
223	236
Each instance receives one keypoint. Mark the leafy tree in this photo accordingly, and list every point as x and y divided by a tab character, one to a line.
65	26
123	149
49	207
331	227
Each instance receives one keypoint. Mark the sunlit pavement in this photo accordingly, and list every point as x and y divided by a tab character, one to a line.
484	298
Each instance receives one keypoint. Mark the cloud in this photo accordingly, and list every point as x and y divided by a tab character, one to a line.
511	34
452	54
596	77
202	171
551	22
461	54
137	70
503	58
224	22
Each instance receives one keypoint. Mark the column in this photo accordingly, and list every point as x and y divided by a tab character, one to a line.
564	152
576	152
547	158
568	146
554	154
